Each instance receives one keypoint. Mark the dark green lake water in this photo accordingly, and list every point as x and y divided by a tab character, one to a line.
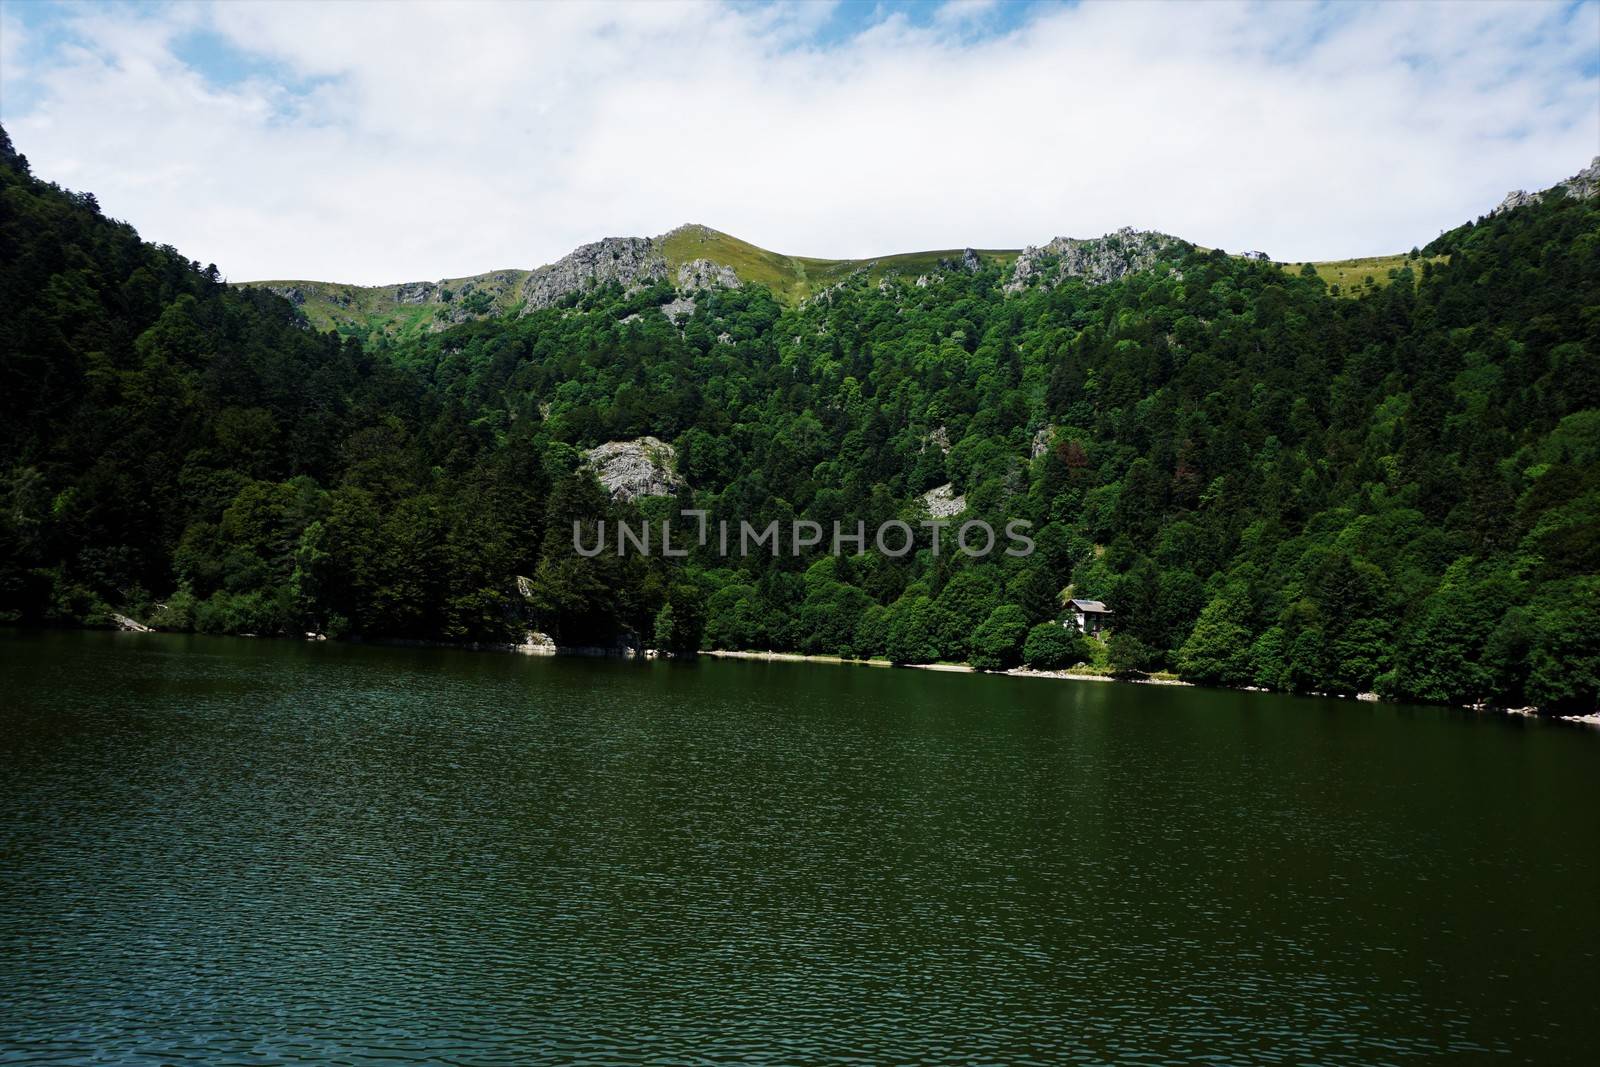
220	850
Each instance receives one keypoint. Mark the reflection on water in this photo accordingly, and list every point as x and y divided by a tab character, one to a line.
216	850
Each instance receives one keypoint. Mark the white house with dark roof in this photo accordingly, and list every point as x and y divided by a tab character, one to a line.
1089	616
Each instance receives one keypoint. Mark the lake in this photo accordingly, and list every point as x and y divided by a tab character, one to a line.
221	850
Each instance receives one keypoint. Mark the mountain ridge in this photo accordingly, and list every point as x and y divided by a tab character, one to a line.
694	256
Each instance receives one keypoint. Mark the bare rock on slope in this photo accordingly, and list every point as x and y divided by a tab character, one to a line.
633	469
678	308
630	261
942	501
414	292
1042	438
1581	186
704	274
1097	260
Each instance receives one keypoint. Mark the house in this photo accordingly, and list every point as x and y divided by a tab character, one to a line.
1089	616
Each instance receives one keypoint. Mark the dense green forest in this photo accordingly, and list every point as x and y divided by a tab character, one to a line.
1271	483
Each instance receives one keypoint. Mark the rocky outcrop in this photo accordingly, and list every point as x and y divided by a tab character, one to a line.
678	309
629	261
633	469
1041	441
857	275
415	292
969	262
1517	198
704	274
1585	183
1097	260
537	643
943	502
1581	186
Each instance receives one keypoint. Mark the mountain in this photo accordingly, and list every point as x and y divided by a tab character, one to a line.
694	257
690	257
1268	482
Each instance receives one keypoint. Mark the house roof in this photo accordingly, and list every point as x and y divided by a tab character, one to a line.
1092	606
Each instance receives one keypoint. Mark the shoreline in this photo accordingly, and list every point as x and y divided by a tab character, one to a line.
549	648
1591	719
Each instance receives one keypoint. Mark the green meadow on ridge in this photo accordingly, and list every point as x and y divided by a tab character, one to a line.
379	310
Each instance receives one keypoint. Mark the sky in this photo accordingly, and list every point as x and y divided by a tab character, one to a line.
375	143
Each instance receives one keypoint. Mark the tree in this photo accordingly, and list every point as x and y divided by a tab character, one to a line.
681	622
1566	654
1036	593
1050	646
1217	651
1268	668
911	635
1128	654
997	644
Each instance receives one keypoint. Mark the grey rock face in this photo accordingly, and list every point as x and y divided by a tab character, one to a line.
970	262
292	293
1586	182
537	643
1254	255
1517	198
631	261
942	501
1581	186
1041	442
704	274
678	309
633	469
1097	260
414	292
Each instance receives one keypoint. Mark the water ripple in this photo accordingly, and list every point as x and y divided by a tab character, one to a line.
219	851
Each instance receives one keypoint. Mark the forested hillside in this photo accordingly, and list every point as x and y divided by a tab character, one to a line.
1270	484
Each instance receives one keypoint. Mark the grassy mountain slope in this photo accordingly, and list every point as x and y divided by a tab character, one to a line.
407	310
1352	275
795	278
401	311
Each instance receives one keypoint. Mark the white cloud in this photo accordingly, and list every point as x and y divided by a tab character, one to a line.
376	144
13	40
